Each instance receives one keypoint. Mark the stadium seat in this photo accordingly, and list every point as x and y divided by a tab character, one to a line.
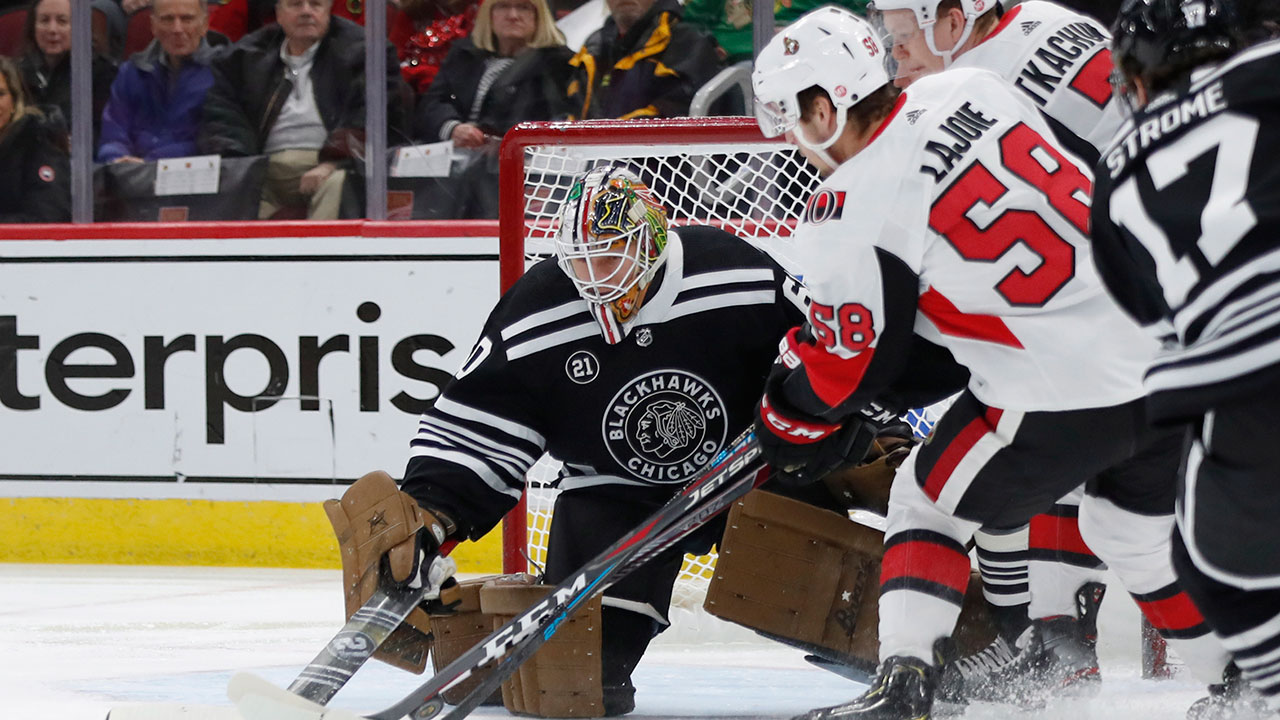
139	34
11	24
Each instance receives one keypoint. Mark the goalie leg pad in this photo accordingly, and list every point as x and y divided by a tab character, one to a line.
461	630
810	578
374	518
563	678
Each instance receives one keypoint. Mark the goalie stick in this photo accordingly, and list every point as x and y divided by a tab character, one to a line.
739	469
354	644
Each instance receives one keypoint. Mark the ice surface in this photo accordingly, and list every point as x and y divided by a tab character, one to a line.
76	641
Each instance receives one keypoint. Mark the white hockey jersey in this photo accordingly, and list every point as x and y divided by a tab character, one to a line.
965	222
1059	59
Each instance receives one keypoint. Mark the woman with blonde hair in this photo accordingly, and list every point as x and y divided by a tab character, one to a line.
34	168
513	67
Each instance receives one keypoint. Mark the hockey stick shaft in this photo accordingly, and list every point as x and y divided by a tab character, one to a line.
354	644
737	471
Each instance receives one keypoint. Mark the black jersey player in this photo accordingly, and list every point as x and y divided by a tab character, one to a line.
633	356
1186	219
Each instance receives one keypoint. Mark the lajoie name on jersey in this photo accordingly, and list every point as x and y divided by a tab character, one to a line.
665	426
955	136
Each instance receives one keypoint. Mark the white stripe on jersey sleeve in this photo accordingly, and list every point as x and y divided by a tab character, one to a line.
1189	371
546	342
466	412
1209	301
726	277
544	317
723	300
446	435
473	464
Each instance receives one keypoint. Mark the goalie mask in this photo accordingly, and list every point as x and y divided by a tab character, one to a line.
830	48
611	240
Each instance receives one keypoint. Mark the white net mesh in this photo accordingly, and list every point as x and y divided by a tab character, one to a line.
753	188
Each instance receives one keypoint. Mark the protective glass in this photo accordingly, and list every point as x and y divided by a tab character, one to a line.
904	34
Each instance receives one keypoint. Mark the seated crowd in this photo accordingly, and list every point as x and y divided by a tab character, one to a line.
284	79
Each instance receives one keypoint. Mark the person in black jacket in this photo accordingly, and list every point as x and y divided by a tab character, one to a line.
46	65
513	67
644	62
295	91
34	169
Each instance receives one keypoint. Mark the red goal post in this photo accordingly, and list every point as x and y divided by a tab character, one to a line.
713	170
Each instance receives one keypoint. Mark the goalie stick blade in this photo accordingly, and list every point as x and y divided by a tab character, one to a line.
169	711
257	699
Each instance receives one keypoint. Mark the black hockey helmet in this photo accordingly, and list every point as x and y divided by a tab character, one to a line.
1160	41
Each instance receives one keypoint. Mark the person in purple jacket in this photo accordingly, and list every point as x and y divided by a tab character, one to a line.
157	97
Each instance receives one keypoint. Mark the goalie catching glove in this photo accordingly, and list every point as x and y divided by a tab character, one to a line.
385	536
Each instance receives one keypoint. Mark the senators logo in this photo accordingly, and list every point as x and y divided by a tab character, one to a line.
826	204
665	426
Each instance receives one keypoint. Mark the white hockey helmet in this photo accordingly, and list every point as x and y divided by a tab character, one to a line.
829	47
926	12
611	240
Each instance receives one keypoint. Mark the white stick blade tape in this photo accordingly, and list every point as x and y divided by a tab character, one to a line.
170	711
257	699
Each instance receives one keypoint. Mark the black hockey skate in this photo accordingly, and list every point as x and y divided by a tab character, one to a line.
902	690
1054	657
1232	699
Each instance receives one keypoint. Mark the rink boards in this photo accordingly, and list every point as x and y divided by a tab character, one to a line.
188	393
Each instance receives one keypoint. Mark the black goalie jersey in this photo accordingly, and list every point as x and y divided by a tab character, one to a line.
650	411
1186	227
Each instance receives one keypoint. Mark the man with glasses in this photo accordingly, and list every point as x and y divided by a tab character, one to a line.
295	92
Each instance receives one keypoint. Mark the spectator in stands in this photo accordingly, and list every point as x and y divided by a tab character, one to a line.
644	62
46	65
237	18
424	31
513	67
729	21
34	168
158	96
295	91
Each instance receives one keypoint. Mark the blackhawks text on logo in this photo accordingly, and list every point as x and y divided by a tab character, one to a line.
665	426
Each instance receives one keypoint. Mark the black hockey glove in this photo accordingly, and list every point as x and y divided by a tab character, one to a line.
803	451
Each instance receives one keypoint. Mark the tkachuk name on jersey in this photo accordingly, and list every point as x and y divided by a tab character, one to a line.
1159	123
962	128
1063	49
665	426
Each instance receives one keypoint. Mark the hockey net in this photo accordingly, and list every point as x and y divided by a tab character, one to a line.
706	171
